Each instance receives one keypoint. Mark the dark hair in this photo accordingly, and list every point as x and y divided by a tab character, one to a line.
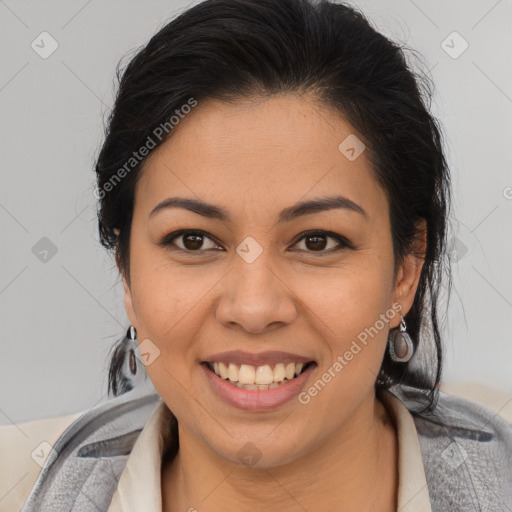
235	49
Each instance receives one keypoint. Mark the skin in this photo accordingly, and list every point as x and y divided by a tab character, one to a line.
254	158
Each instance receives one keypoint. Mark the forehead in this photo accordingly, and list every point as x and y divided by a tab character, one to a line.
280	149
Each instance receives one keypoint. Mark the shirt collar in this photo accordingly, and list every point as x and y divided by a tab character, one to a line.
139	487
413	493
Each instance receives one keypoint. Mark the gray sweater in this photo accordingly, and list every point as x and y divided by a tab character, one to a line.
466	451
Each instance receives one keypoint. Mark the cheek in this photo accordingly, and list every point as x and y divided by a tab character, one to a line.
350	298
351	311
171	303
163	291
166	308
169	311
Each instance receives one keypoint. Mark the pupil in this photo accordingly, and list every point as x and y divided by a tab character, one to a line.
319	240
196	243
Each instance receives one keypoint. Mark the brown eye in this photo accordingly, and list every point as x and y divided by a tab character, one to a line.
318	242
192	242
189	241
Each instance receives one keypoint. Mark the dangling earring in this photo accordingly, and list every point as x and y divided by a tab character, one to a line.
401	348
132	336
132	333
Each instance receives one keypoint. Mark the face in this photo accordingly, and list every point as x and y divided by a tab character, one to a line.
266	277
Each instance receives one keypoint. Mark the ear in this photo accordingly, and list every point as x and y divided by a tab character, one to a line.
409	272
128	303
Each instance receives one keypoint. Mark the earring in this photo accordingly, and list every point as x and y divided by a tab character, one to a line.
132	336
132	333
401	348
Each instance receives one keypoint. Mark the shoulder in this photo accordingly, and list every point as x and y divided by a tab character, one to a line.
24	448
90	454
467	454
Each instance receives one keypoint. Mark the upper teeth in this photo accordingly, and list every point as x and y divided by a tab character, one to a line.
248	374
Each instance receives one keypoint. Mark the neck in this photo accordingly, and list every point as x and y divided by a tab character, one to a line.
354	469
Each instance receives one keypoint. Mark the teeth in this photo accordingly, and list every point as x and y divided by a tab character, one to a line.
246	374
264	375
233	372
279	373
289	370
223	370
257	377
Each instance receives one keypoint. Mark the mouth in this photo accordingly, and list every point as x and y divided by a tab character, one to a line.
263	377
257	388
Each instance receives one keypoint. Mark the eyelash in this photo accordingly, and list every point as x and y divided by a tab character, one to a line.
343	243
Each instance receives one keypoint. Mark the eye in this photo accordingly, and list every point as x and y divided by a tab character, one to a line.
317	241
197	241
190	241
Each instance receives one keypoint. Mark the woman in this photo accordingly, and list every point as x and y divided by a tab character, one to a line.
276	195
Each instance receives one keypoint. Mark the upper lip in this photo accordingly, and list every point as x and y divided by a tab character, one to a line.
258	359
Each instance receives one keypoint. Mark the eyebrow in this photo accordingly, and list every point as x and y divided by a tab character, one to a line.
288	214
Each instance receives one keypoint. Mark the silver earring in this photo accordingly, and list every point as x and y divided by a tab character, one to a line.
401	348
132	333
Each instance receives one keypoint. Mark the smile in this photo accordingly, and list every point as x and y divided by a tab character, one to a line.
257	388
268	376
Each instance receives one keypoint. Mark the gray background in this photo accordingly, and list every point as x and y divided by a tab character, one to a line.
61	313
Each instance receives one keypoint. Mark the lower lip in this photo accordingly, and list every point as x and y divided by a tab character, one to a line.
257	399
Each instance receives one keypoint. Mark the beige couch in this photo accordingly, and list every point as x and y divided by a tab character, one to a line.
500	402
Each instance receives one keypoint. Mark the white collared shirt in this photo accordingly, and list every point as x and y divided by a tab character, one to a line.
139	487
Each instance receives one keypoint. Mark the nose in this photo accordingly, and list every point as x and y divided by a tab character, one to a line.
255	297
